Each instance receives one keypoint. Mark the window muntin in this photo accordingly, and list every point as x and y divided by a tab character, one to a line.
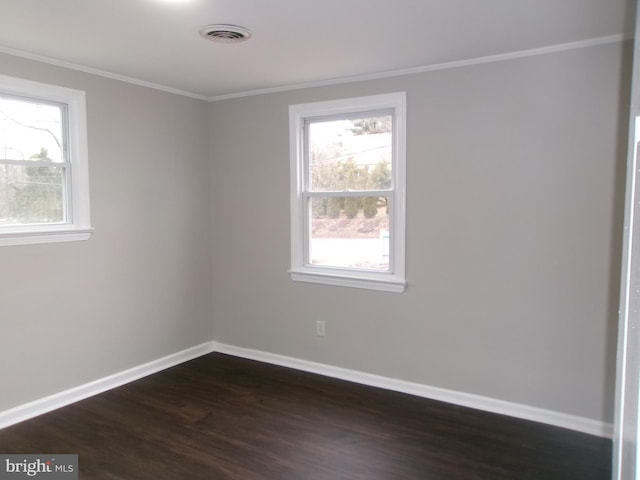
348	192
44	176
339	149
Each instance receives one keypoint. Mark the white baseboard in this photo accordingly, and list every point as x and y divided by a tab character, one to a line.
61	399
550	417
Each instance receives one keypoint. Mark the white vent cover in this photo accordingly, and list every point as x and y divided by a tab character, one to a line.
223	33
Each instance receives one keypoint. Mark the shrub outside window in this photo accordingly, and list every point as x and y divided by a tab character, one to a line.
347	192
44	187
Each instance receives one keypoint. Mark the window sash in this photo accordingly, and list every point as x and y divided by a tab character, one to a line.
65	204
308	192
62	149
358	115
391	280
307	239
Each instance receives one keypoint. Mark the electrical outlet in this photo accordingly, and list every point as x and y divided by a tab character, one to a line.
320	328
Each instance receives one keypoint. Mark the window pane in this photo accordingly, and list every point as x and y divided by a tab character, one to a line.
31	194
352	154
30	130
350	232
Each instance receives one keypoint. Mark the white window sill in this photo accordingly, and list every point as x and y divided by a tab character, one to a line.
381	284
44	236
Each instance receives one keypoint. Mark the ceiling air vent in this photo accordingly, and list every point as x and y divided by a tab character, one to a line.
225	33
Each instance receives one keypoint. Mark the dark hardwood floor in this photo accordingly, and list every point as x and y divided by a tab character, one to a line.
222	417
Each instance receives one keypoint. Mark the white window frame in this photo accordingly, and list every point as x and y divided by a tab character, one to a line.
301	269
78	223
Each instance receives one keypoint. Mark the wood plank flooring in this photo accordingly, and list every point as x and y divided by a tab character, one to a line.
222	417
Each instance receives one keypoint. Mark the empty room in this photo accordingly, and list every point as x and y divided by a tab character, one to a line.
346	239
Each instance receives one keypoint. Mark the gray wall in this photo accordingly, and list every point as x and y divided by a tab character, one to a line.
515	191
516	174
139	289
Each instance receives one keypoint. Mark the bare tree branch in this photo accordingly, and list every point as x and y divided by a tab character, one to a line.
33	127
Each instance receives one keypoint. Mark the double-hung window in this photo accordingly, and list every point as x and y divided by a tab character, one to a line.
44	182
348	192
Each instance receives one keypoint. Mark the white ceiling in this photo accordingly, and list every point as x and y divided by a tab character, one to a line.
294	42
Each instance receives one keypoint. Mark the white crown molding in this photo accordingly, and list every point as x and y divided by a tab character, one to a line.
61	399
95	71
526	412
432	68
323	83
